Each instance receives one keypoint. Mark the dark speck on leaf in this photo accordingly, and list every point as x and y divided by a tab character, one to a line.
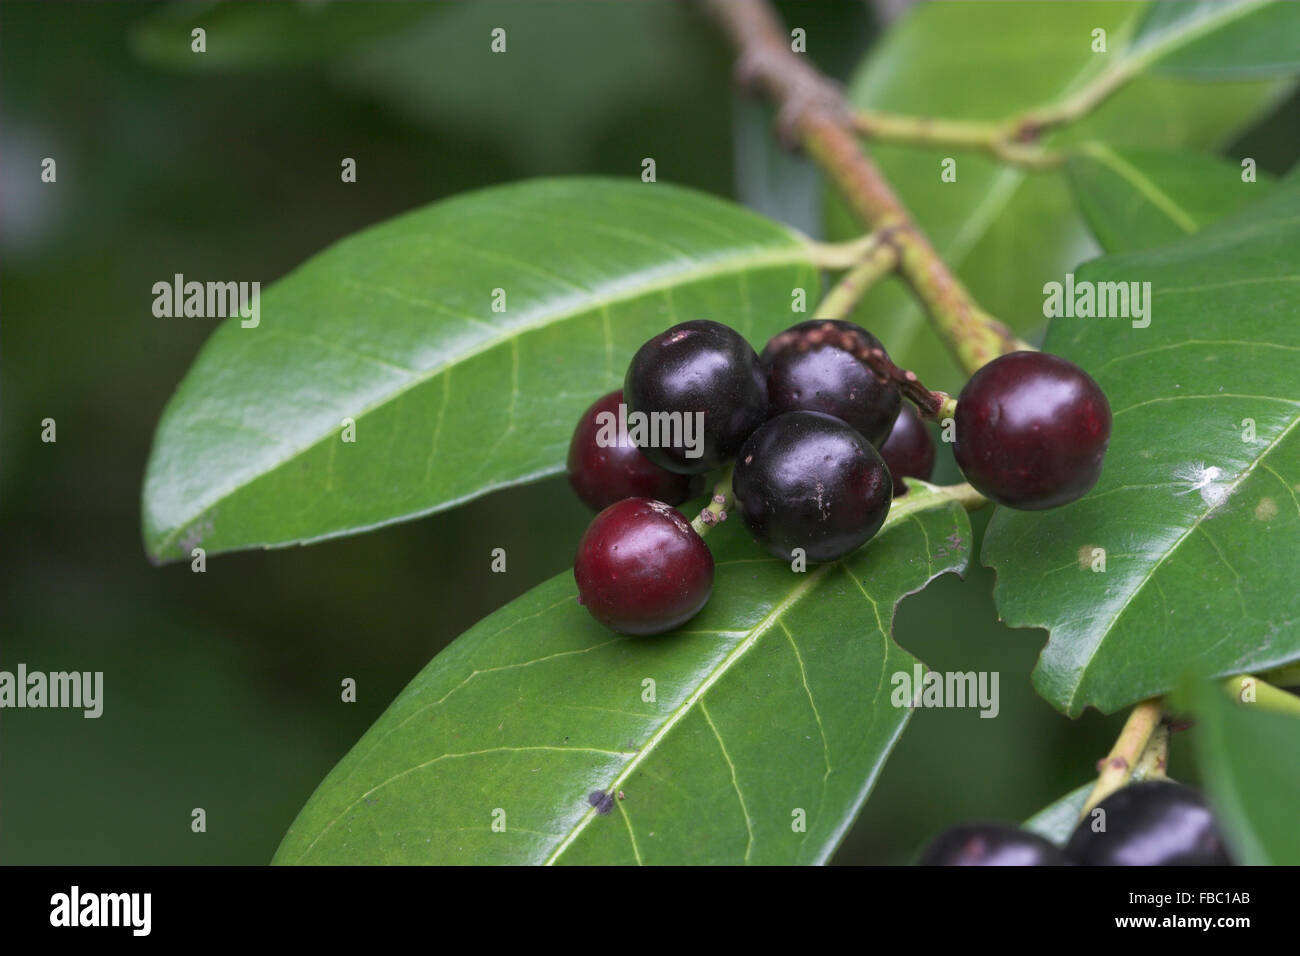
601	800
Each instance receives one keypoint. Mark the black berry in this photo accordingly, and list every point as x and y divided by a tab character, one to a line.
603	471
807	480
909	449
641	568
1032	430
990	844
697	366
811	367
1153	823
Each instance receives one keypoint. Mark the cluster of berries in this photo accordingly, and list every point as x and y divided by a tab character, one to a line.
1153	823
821	441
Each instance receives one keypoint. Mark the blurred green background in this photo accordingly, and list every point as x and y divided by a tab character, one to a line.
222	689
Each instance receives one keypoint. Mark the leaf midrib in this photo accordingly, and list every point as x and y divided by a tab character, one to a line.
799	251
762	627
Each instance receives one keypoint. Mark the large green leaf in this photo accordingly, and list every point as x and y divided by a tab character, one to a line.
771	707
1248	761
1137	199
395	329
1006	230
1198	515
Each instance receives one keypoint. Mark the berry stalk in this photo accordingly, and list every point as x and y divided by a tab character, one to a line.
716	511
1124	756
879	259
931	497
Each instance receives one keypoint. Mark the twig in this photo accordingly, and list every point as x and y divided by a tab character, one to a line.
1118	766
812	112
878	261
1000	140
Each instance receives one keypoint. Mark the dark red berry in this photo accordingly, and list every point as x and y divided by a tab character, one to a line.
807	480
909	449
809	369
990	844
703	367
1032	430
605	467
641	568
1153	823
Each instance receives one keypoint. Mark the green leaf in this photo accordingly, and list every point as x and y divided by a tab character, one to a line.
1199	517
262	35
1057	820
395	329
771	707
1137	199
1007	231
1247	758
1211	39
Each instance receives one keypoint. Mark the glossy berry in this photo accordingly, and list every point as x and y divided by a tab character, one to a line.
807	371
605	467
1153	823
1032	430
641	568
698	366
909	449
990	844
807	480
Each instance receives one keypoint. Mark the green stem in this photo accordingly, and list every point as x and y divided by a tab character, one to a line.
878	261
928	497
1155	757
1266	696
842	255
1117	767
996	139
716	511
1032	124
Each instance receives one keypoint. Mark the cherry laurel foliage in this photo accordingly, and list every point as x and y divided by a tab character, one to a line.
1198	507
540	737
463	340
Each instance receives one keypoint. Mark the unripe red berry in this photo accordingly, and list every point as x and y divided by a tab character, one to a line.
641	568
